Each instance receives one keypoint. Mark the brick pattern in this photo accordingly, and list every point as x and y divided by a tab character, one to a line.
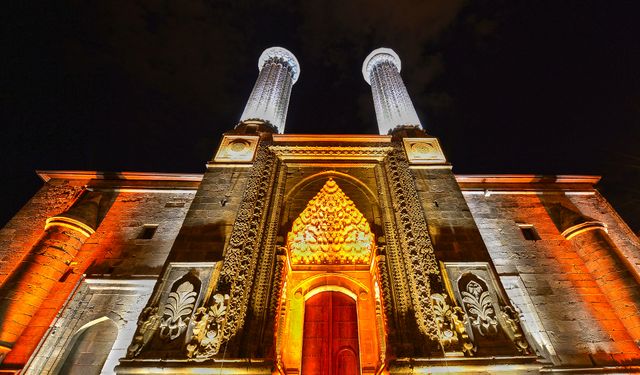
22	232
208	224
612	276
113	251
572	307
453	231
30	284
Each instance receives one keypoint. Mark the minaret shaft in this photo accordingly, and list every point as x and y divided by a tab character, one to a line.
381	69
269	99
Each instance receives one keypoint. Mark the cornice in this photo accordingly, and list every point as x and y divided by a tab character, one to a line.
130	176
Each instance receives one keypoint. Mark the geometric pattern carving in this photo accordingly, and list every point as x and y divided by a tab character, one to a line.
372	152
330	230
415	244
244	248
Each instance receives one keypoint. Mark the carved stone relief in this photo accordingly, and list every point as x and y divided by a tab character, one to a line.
177	311
237	149
168	315
423	151
207	328
477	301
243	251
490	315
414	242
451	321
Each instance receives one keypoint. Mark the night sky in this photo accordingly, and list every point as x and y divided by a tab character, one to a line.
543	87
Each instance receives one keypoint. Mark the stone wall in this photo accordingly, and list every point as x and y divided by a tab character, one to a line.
113	251
560	299
94	302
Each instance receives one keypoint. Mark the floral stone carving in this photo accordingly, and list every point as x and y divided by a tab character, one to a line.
478	303
207	324
179	306
451	325
510	316
147	326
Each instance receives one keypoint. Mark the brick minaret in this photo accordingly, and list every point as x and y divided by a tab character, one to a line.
269	100
381	69
30	283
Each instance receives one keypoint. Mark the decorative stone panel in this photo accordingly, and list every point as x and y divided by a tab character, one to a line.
424	151
163	326
237	149
491	320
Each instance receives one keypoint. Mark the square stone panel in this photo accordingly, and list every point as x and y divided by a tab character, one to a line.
237	149
424	151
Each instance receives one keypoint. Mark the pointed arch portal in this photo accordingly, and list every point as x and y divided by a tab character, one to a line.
330	316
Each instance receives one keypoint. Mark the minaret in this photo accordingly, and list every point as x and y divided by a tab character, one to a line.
381	69
269	100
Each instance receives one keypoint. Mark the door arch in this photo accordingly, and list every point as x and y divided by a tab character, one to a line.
330	335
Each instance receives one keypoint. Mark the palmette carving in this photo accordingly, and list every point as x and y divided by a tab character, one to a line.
415	243
207	323
177	310
480	308
451	322
147	326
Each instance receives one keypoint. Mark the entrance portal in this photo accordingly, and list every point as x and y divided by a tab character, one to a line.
330	335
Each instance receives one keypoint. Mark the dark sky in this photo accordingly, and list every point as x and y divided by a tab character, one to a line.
544	87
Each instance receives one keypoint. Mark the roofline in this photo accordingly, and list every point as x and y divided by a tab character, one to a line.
356	138
131	176
526	179
197	177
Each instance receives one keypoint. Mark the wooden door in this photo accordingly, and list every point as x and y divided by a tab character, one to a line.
330	335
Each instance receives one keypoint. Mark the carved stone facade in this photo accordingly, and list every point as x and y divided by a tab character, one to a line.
417	270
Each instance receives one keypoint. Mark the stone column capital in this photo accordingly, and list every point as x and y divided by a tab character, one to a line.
285	56
378	56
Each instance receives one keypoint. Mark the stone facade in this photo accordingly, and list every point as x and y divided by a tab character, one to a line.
554	278
237	270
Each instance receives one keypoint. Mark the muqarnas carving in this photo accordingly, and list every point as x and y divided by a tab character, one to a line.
330	230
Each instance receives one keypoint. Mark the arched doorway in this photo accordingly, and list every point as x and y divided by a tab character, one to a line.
330	335
93	343
330	319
